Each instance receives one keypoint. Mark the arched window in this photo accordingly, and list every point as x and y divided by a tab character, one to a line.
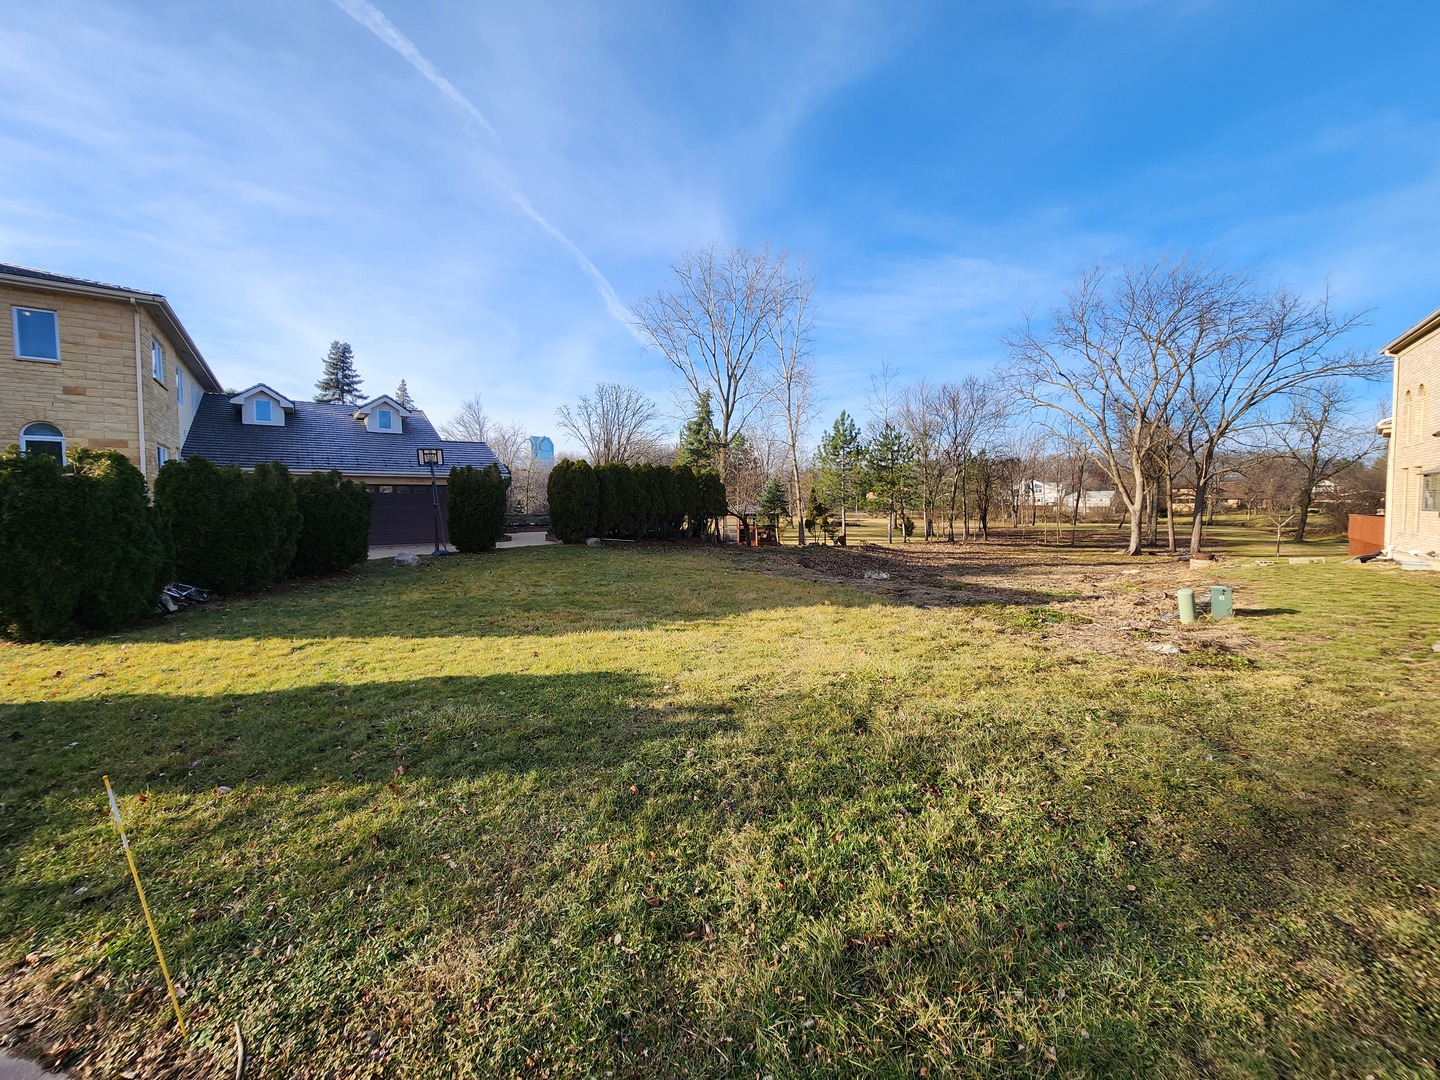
1407	419
43	439
1420	418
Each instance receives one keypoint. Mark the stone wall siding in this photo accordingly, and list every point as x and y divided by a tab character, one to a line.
1415	448
90	394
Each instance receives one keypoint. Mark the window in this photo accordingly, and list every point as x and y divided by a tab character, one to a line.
385	417
157	361
179	385
162	455
42	439
1430	491
37	334
262	410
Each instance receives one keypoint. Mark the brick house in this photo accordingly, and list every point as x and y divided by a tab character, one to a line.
1412	479
96	366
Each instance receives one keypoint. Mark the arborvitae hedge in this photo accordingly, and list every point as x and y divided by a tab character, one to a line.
229	531
574	501
78	549
632	501
476	507
334	523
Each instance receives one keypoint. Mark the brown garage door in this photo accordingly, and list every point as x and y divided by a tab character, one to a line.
401	514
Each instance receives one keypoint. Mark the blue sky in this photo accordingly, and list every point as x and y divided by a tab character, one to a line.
286	176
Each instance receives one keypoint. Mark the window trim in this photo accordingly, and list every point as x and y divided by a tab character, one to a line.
15	310
384	420
24	439
162	455
157	360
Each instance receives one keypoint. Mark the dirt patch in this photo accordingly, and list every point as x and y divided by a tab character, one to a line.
1106	602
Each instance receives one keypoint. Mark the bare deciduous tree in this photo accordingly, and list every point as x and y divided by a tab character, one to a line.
1322	437
713	326
792	387
469	424
618	424
1180	351
1103	370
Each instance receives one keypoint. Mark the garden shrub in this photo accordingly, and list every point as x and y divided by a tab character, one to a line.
574	501
228	530
79	549
126	564
334	523
476	507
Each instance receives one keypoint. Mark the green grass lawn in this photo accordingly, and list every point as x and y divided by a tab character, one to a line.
647	811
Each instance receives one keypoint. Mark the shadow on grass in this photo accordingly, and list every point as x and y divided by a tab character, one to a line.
449	728
1260	613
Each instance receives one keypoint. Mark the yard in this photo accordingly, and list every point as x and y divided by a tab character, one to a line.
654	810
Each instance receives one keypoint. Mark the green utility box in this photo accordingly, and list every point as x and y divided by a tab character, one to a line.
1222	601
1185	599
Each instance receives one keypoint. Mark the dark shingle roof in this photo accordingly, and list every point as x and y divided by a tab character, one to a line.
318	437
60	279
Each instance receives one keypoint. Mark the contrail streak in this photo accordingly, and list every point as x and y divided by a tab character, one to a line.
374	20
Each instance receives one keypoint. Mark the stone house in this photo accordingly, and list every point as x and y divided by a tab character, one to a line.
1412	481
96	366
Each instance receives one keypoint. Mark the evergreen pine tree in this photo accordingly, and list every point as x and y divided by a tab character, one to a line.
339	383
838	461
402	395
700	438
773	501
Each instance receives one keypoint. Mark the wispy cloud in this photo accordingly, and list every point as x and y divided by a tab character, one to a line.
374	20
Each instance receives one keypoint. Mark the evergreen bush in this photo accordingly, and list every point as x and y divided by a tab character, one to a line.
228	530
476	507
79	549
334	523
574	501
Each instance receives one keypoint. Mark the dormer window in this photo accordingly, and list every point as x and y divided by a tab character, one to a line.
261	405
383	414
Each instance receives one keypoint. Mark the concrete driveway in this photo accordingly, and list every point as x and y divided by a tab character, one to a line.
527	538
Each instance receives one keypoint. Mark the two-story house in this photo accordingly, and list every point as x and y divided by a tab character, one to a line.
1412	479
96	366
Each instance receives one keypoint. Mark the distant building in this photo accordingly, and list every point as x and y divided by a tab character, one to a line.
542	450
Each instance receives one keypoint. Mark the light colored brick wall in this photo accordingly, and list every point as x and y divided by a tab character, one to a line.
90	393
1415	448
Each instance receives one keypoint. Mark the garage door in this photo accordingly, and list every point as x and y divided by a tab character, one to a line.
401	514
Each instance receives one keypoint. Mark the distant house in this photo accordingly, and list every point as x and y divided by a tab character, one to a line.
376	443
1412	479
542	449
95	366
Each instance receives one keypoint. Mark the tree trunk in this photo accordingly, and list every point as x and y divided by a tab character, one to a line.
1169	509
1307	494
1202	495
800	520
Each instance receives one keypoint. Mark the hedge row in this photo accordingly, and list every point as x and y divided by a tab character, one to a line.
475	503
632	501
79	548
235	531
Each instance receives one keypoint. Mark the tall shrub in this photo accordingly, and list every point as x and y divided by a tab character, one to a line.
714	503
574	501
687	496
476	502
78	549
607	504
126	561
228	530
272	523
334	523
